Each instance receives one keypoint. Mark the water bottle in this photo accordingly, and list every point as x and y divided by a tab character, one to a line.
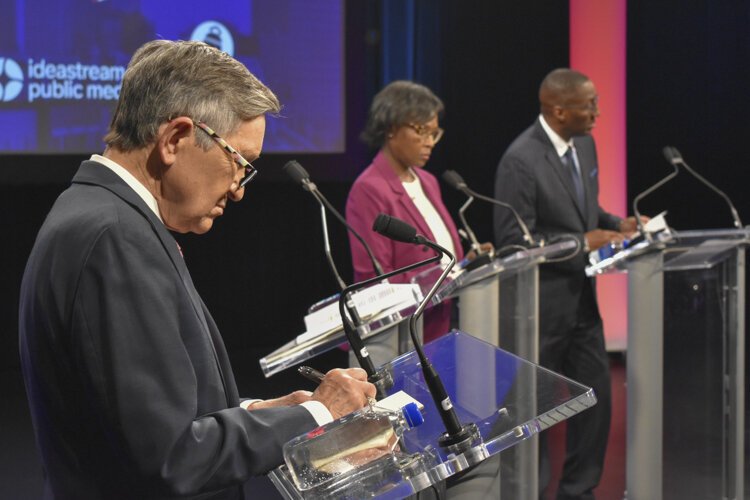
350	445
607	251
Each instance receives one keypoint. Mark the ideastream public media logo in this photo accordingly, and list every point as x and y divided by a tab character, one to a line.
44	80
11	79
48	81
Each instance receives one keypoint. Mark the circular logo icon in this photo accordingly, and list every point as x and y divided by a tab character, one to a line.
11	79
214	34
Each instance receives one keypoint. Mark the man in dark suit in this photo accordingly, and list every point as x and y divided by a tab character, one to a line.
550	175
129	383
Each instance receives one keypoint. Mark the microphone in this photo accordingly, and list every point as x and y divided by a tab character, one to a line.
381	378
299	175
457	437
650	190
674	157
456	181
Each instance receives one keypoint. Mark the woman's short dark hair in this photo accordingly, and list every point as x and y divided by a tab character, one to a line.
399	103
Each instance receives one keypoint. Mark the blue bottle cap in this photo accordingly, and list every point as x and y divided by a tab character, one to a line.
412	415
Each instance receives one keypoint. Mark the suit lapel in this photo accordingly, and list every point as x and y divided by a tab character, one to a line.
561	171
97	174
588	166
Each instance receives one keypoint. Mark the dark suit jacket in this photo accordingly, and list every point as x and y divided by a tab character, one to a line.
378	189
130	387
535	182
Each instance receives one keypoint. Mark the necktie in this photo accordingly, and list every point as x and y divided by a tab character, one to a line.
569	162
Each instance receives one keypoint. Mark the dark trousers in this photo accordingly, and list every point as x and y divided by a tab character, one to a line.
578	352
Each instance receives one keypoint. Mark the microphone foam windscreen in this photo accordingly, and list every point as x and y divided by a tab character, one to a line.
452	178
394	228
667	151
294	170
672	154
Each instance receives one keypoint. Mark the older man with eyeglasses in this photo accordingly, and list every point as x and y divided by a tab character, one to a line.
129	383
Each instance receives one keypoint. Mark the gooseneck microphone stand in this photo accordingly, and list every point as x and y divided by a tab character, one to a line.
382	379
458	437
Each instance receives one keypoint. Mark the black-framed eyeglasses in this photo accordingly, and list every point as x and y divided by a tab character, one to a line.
250	171
425	132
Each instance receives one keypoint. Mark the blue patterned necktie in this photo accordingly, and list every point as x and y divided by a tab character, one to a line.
569	162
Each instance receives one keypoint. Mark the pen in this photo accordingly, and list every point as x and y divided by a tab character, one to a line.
317	377
311	374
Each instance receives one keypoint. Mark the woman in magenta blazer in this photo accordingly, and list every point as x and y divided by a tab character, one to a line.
403	125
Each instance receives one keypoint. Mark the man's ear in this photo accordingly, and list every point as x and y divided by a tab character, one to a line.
559	113
174	136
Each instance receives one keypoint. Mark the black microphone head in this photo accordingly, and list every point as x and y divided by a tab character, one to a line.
394	228
297	173
454	180
672	155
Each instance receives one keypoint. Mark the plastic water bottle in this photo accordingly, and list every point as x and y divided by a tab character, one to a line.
348	445
607	251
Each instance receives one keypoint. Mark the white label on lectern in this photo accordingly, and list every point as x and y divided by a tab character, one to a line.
369	302
446	404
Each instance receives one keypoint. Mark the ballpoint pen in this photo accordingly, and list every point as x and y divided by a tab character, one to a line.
317	377
311	374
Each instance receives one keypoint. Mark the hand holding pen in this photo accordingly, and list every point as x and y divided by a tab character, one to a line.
311	374
342	391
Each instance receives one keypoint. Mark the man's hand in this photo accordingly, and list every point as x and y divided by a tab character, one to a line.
629	226
343	391
600	237
292	399
483	247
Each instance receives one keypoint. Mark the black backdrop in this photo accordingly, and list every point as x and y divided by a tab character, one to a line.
262	264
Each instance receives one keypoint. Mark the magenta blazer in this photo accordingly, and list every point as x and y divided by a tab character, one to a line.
378	190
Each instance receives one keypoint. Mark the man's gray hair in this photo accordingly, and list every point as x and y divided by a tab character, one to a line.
167	79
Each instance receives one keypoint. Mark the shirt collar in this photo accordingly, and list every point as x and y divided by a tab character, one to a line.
131	181
561	146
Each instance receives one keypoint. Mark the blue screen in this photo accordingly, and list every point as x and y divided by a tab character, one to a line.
61	62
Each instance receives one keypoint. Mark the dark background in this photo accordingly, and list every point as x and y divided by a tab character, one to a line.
262	265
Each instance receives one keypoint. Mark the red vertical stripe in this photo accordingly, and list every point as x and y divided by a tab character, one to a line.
597	49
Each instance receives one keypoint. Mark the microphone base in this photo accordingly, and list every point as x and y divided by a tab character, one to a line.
461	441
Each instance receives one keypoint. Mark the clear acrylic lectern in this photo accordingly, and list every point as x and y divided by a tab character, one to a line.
488	387
685	364
499	303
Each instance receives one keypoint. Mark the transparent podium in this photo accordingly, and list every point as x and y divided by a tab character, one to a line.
685	364
507	397
499	303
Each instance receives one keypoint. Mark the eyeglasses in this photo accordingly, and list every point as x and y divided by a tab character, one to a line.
250	171
424	132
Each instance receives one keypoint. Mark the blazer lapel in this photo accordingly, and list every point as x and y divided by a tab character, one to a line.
94	173
561	171
588	172
97	174
432	194
394	183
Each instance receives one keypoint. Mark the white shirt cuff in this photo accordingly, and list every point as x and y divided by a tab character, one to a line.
245	403
318	411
